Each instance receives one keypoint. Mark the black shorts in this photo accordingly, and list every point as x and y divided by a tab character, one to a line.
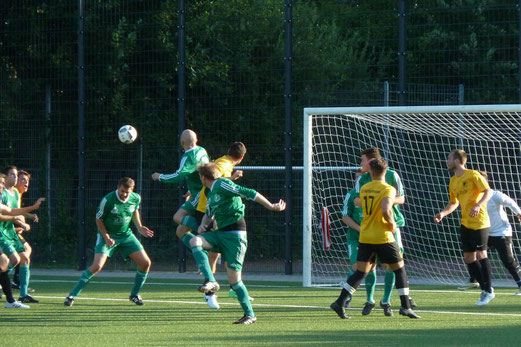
388	253
504	247
473	240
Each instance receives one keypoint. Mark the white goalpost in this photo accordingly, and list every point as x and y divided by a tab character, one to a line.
415	141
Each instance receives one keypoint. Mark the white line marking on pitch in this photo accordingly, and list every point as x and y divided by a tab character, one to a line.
282	306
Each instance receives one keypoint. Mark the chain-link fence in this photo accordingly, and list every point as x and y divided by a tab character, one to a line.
342	53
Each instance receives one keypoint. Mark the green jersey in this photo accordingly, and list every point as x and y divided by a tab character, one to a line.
10	199
355	212
224	202
188	169
117	214
391	178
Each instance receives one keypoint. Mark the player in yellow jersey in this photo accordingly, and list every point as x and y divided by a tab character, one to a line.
22	185
377	240
470	190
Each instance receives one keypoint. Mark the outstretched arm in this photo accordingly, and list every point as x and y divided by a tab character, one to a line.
279	206
20	211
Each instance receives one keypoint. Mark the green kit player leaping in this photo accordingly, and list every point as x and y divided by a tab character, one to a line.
187	217
113	217
224	205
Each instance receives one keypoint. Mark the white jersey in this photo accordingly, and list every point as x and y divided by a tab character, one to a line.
499	224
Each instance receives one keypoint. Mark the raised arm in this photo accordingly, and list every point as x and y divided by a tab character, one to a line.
279	206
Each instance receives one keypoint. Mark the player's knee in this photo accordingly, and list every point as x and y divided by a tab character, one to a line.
181	231
178	216
196	241
145	265
95	268
28	249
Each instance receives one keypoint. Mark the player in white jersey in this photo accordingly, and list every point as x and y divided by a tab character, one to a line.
500	234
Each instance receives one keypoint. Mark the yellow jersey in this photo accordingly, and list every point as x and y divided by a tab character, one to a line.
374	228
225	167
468	190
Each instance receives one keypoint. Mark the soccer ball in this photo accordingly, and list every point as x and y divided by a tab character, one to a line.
127	134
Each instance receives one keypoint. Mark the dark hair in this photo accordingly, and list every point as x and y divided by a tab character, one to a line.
23	172
371	153
378	166
210	171
460	155
2	175
126	182
8	168
237	150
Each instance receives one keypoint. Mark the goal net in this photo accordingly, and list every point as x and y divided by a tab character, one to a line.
415	141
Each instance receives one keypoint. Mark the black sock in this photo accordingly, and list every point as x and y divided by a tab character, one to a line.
486	273
402	285
354	282
475	272
343	297
5	282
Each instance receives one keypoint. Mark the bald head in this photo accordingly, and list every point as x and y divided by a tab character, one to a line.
188	139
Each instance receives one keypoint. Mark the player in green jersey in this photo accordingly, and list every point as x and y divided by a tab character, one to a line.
225	207
392	178
113	217
9	245
11	198
187	216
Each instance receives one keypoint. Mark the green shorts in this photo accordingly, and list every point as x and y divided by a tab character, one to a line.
191	205
231	244
126	244
9	246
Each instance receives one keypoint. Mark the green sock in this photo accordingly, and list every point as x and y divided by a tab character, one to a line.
370	285
190	222
82	282
243	298
24	278
201	258
139	281
388	287
186	239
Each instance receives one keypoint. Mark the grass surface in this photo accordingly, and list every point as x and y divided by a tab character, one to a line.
175	314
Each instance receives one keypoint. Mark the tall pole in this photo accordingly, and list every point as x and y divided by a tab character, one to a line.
402	51
82	251
288	139
48	165
181	105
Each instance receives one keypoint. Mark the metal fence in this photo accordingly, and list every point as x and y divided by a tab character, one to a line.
73	72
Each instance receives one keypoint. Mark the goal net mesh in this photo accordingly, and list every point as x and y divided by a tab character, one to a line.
415	145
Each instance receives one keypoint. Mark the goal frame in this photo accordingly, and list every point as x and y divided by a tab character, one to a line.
307	266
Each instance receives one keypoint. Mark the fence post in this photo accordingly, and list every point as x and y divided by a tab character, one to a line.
402	51
82	251
181	106
288	140
48	103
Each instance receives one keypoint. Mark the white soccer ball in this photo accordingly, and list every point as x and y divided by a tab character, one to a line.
127	134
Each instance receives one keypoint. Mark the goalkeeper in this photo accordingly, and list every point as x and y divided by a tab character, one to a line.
392	178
